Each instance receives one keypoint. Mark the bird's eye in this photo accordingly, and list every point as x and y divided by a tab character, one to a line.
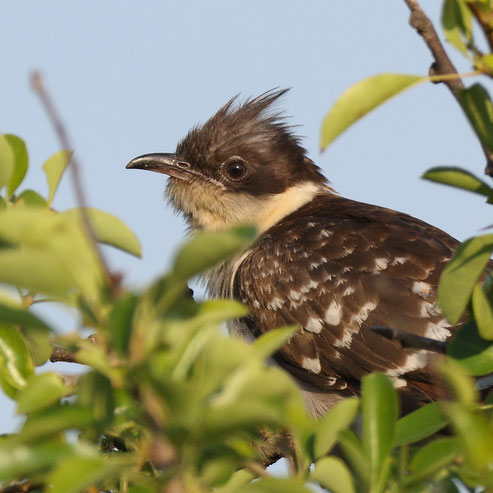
236	170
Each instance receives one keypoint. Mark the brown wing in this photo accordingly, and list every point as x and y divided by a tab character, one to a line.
337	268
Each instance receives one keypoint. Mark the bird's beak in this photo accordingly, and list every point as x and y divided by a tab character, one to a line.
169	164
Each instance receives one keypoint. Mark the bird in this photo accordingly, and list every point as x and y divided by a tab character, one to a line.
330	265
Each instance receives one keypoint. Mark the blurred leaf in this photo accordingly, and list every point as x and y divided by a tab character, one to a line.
217	470
432	457
237	479
475	433
274	485
420	424
333	474
31	198
120	321
207	249
8	389
20	316
77	473
6	161
460	178
457	24
271	341
461	384
360	99
16	365
49	421
354	453
54	167
109	230
20	461
19	152
41	391
35	270
471	351
338	418
3	204
483	312
38	342
461	274
96	393
477	106
380	410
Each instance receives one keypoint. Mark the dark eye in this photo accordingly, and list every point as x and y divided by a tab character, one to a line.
236	170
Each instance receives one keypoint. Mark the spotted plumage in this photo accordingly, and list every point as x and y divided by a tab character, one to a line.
330	265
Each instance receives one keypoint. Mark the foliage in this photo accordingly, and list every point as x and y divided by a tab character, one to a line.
168	403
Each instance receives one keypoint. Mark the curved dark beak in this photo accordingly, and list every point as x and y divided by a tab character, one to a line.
168	164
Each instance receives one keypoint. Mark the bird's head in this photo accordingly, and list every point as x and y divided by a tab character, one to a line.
244	165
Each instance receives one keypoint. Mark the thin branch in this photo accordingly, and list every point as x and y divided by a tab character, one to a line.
62	354
409	340
442	64
485	20
54	116
257	469
24	487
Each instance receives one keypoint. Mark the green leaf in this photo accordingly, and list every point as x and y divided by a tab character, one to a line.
271	341
39	344
420	424
54	168
3	204
19	152
51	420
457	24
333	474
360	99
96	393
483	312
30	198
35	270
474	431
274	485
380	410
328	428
462	384
471	351
460	178
120	321
461	274
477	106
17	315
432	457
6	161
16	365
207	249
21	461
41	391
8	389
355	454
109	230
75	474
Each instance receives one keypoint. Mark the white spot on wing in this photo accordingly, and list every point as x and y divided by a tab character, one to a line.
381	263
314	325
333	314
365	310
275	303
399	260
419	359
311	364
428	309
346	338
349	290
421	288
438	331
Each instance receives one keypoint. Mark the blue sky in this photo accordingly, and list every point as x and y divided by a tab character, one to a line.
132	77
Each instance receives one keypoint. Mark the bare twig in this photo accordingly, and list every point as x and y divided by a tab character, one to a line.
24	487
47	101
442	64
62	354
409	340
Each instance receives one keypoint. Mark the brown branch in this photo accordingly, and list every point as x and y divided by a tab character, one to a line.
62	354
24	487
54	116
409	340
442	64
